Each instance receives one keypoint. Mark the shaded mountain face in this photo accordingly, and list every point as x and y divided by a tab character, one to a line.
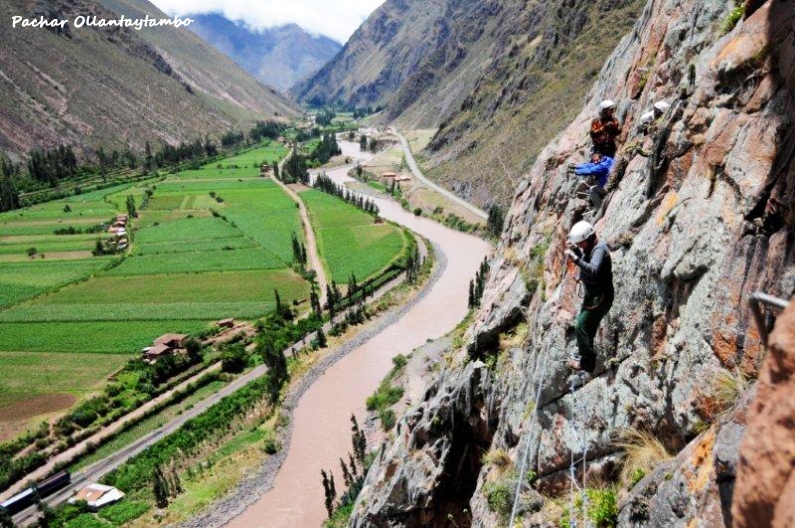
381	54
499	78
278	57
700	214
116	87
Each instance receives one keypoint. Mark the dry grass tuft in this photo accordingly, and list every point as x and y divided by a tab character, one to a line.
728	387
499	458
644	452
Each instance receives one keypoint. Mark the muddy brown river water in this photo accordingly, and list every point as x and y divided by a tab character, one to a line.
321	421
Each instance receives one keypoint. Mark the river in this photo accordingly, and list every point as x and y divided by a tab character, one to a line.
321	421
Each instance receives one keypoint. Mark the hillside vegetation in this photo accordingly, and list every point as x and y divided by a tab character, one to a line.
117	88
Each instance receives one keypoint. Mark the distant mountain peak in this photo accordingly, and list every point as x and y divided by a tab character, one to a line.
278	56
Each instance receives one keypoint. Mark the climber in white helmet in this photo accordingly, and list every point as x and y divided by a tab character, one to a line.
605	129
657	111
596	274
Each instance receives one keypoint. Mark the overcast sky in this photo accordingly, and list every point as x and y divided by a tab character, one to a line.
337	19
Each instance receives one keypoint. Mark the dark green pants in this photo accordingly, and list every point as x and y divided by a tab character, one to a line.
594	307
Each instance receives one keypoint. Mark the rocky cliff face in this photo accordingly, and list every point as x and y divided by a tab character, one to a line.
702	214
765	492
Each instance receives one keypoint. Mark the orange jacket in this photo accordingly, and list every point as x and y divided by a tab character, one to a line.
604	130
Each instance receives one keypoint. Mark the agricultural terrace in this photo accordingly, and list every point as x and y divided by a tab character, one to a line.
349	240
208	244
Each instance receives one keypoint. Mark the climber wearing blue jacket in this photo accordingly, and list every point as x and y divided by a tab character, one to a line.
599	167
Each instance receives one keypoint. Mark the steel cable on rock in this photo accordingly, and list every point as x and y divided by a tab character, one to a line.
539	379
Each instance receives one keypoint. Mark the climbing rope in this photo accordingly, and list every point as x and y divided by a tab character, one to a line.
538	379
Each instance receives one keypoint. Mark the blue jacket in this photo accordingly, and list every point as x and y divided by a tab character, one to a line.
601	170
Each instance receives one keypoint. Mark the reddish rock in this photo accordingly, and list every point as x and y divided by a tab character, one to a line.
765	489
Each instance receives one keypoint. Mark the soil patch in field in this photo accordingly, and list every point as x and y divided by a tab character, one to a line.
37	405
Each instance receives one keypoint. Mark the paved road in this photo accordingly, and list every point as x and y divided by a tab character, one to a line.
420	176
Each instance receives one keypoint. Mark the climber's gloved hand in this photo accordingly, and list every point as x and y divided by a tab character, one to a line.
572	255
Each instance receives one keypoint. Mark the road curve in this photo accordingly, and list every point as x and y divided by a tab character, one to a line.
415	169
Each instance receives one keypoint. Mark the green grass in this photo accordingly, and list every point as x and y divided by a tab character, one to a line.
123	512
266	154
50	245
214	244
194	262
126	337
43	313
87	520
212	172
148	425
237	286
27	374
349	240
206	296
186	229
22	280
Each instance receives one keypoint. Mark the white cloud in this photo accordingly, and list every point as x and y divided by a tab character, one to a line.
337	19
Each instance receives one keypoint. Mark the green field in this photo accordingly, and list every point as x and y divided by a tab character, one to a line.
209	244
22	280
267	154
27	374
349	240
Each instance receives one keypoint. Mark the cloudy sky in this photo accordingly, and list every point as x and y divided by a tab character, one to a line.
337	19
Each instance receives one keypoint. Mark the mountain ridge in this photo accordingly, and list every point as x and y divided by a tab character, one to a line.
110	87
279	57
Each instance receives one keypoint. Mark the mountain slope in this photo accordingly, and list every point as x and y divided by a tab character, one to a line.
499	78
380	55
109	87
278	57
700	217
210	71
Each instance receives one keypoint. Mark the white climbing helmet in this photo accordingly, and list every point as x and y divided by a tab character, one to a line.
648	117
607	103
661	106
581	231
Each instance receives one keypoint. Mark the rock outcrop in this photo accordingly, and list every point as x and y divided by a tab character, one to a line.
766	482
701	214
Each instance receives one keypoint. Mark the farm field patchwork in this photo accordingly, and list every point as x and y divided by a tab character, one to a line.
349	240
209	244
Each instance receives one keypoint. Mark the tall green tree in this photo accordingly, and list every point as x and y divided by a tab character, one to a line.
160	488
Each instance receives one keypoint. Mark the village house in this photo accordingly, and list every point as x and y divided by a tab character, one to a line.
97	496
166	344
